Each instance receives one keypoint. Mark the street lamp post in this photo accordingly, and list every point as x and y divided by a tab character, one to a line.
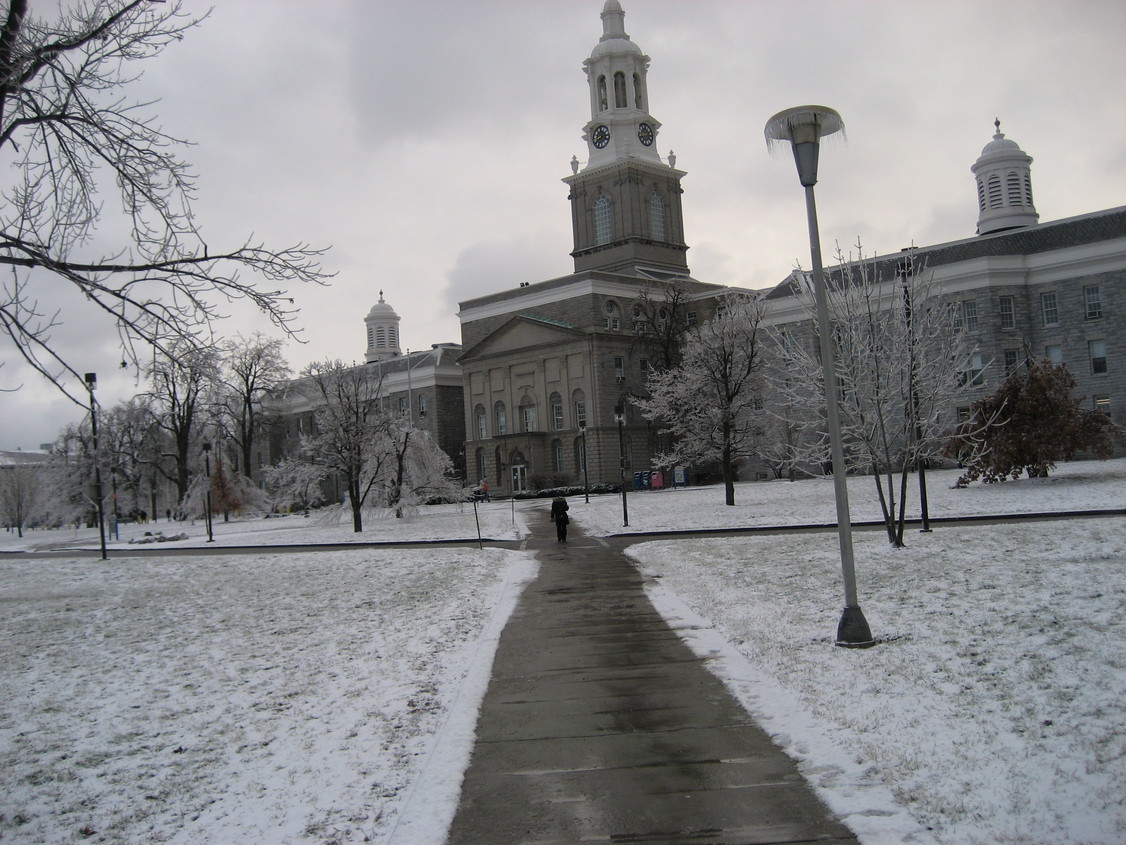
207	469
620	419
586	476
91	385
905	270
803	127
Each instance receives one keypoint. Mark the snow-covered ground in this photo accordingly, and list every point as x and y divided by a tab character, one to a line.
330	696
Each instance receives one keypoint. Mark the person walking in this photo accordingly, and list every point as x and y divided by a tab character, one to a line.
559	516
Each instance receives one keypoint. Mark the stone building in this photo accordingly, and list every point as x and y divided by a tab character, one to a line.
549	367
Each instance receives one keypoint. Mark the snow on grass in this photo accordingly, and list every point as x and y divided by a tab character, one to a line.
330	696
249	698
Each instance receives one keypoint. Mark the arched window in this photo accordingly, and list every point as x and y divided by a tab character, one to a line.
602	104
637	92
619	90
603	220
556	403
500	419
528	416
657	217
578	402
481	422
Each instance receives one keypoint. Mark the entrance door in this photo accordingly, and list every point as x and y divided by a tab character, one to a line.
519	478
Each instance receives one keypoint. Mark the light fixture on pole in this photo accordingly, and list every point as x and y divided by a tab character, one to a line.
906	269
586	477
207	469
620	419
91	380
803	128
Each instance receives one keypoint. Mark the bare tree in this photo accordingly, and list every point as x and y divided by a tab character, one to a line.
182	384
712	401
21	493
64	125
898	360
252	368
348	423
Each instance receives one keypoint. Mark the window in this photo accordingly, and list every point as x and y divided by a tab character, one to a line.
996	200
1097	351
1054	353
972	374
482	424
691	318
603	104
969	313
1012	360
657	217
580	454
556	412
1006	306
580	412
501	419
423	404
1102	404
1049	309
964	315
1092	302
612	323
403	405
644	366
619	367
482	474
603	221
557	455
528	413
619	90
963	414
637	104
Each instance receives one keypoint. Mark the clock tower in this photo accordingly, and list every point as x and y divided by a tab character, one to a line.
625	202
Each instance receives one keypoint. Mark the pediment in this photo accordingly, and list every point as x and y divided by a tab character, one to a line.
520	333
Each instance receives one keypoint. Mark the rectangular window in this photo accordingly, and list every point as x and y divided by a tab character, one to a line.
640	326
1012	359
1054	353
973	374
529	414
615	323
1097	350
1049	309
557	456
620	368
580	413
963	414
557	416
1102	404
969	313
691	318
403	405
1092	302
423	404
644	366
1006	306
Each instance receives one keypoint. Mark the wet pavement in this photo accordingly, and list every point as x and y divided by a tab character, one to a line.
601	725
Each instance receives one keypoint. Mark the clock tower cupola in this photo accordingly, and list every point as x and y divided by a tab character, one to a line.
625	201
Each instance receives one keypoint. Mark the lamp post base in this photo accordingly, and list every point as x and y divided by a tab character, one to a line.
852	630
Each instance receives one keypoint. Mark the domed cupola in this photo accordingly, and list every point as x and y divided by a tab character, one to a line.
1004	186
382	332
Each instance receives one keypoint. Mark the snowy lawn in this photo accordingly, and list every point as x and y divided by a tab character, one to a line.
329	696
243	698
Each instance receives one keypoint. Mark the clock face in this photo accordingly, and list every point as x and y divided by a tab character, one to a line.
645	134
600	136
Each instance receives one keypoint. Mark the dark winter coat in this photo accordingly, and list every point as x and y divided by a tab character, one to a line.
559	510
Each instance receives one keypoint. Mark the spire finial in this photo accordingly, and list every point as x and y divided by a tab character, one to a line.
997	128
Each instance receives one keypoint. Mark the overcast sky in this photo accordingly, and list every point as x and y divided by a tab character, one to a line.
425	141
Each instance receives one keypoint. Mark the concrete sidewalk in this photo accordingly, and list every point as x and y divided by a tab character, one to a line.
600	725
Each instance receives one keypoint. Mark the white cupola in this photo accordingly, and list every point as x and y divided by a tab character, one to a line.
1004	186
382	332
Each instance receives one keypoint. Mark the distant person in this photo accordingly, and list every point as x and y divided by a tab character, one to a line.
559	516
485	490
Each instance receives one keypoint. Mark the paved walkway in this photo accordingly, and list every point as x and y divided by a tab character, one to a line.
600	725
